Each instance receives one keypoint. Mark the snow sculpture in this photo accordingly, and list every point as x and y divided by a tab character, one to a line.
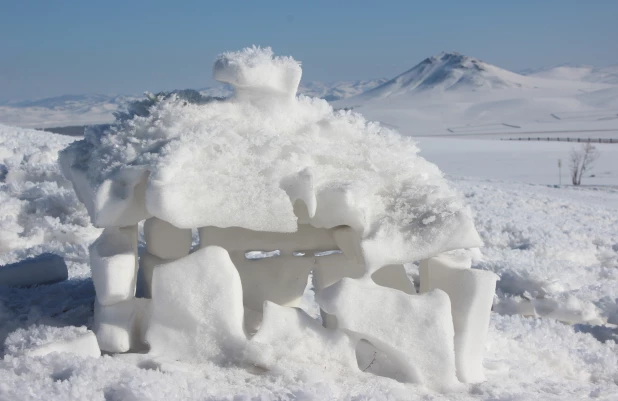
318	190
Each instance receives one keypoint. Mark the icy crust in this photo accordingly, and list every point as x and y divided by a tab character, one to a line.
245	161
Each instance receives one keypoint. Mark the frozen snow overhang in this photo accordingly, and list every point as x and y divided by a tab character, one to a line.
266	160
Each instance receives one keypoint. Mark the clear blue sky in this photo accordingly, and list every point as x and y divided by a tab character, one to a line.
48	48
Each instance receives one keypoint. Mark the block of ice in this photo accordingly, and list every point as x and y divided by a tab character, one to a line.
289	334
119	326
113	261
166	241
471	292
46	268
256	74
196	309
42	340
416	331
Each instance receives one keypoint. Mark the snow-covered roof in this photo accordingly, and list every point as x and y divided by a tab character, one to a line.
245	160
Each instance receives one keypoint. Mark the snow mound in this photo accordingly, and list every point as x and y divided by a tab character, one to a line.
233	163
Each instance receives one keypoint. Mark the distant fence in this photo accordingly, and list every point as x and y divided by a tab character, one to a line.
592	140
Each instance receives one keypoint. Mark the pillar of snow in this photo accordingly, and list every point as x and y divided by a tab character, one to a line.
147	264
471	292
415	331
113	261
119	326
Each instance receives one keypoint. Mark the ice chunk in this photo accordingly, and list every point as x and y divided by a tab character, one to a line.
255	73
113	260
119	327
42	340
416	331
117	201
46	268
166	241
290	334
121	201
196	308
147	264
471	292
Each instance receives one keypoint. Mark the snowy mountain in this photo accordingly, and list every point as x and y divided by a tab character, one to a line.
338	90
586	73
448	72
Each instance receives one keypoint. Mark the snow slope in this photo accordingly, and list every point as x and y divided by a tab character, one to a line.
587	73
452	94
447	72
556	250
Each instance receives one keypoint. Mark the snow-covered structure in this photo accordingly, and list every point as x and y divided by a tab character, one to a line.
318	190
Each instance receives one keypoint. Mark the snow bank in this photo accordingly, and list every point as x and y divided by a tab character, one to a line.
248	160
43	269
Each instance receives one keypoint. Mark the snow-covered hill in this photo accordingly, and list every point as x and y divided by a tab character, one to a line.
452	94
586	73
449	72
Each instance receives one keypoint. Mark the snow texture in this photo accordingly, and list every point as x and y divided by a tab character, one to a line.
290	335
42	340
416	331
196	311
46	268
240	155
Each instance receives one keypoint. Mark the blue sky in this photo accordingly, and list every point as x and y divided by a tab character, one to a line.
49	48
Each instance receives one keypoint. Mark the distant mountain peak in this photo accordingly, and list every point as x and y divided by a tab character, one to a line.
448	71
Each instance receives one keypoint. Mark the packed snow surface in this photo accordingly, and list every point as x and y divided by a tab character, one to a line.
554	248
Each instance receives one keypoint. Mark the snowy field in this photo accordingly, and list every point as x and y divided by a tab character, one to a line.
552	334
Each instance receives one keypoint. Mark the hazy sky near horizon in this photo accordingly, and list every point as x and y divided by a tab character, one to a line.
50	48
